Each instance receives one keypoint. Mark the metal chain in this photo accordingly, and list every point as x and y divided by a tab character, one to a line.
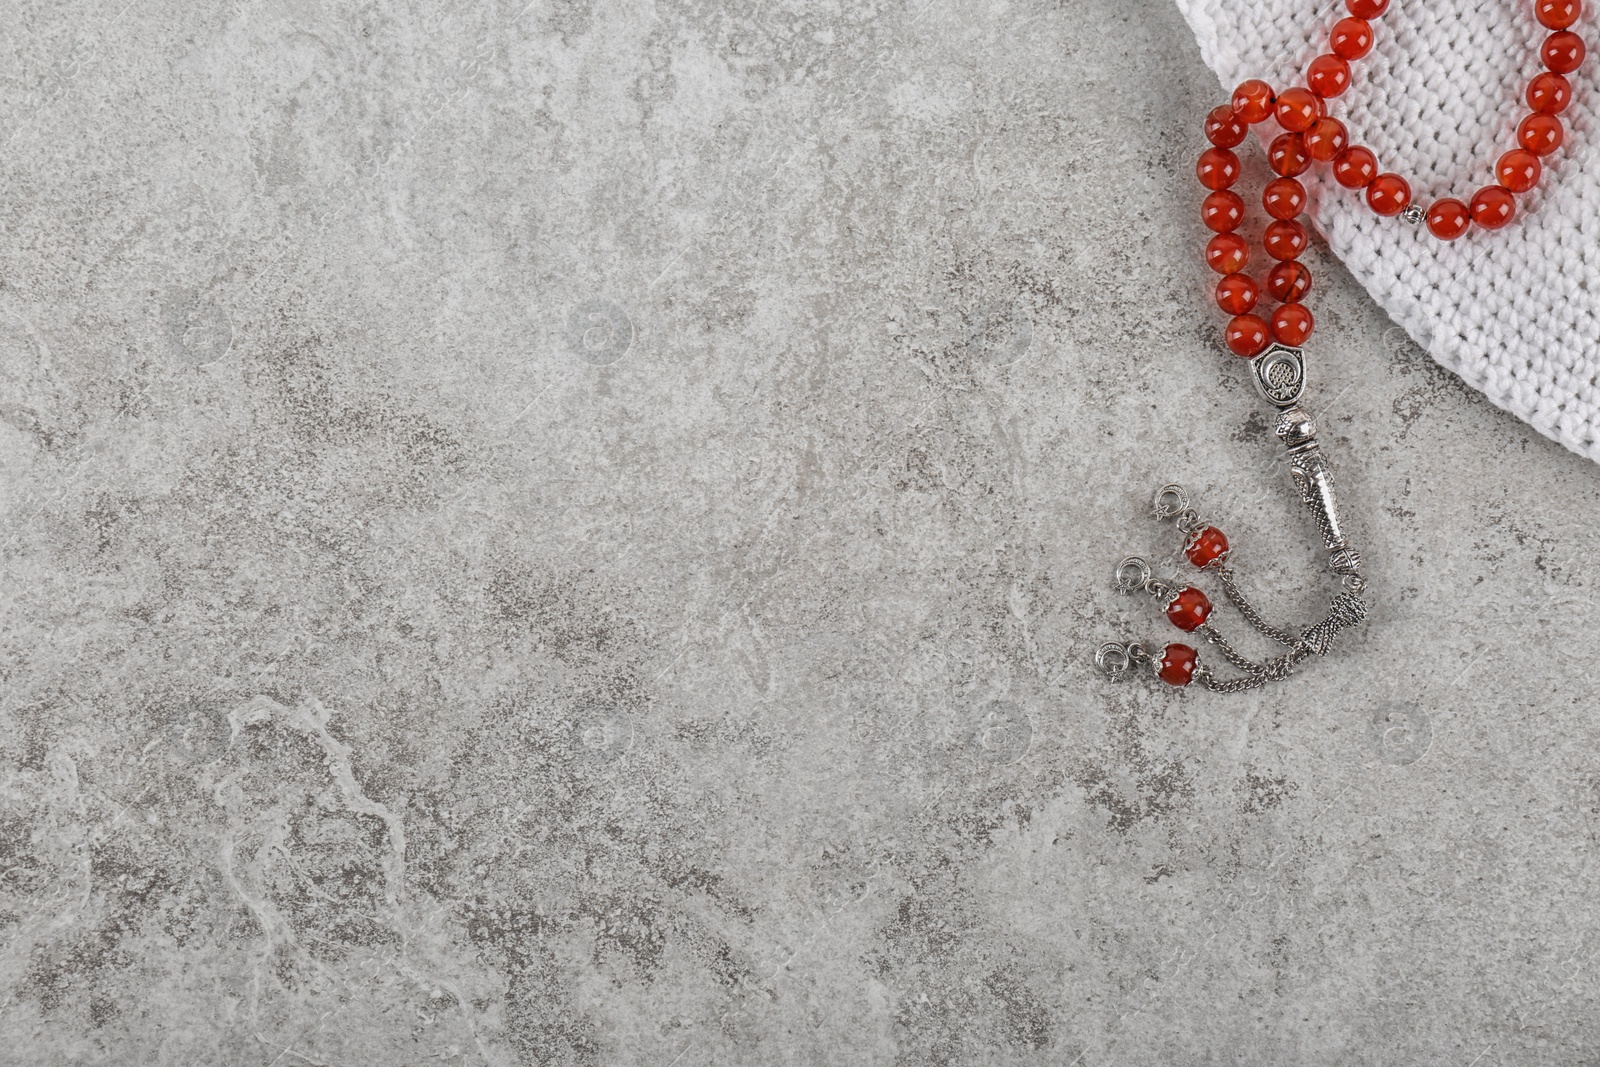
1346	610
1230	685
1210	633
1252	616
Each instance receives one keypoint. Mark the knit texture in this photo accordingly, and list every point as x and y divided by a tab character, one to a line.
1515	312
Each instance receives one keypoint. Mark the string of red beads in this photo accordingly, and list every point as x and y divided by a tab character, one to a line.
1311	135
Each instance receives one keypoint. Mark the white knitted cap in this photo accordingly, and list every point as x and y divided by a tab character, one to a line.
1515	312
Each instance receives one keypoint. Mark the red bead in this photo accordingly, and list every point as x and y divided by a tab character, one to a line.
1557	14
1540	134
1562	51
1226	253
1389	194
1328	76
1207	546
1223	128
1178	663
1188	610
1367	9
1218	168
1448	219
1289	281
1351	38
1518	170
1284	239
1237	294
1492	207
1252	101
1355	167
1247	335
1326	139
1222	211
1292	325
1549	93
1284	198
1287	155
1297	109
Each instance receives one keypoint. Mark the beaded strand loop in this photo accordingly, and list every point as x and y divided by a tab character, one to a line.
1310	135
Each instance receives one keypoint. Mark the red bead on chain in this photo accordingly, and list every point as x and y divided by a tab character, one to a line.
1540	134
1189	610
1223	210
1289	282
1328	75
1557	14
1248	335
1224	129
1291	325
1178	663
1284	198
1548	94
1310	136
1237	294
1354	168
1351	38
1287	155
1448	219
1325	140
1227	253
1389	194
1207	546
1492	207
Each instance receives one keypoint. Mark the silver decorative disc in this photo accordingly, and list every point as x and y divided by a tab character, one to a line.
1280	374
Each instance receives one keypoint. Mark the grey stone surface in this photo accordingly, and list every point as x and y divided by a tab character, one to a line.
575	534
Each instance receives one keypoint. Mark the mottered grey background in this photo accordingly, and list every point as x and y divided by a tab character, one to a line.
575	533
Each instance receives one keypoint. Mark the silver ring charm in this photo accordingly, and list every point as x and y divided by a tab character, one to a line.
1133	574
1171	501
